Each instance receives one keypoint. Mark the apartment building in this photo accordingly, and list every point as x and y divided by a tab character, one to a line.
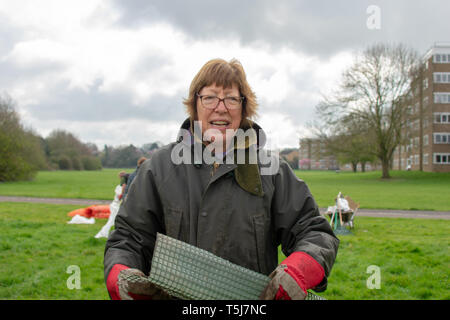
314	156
427	133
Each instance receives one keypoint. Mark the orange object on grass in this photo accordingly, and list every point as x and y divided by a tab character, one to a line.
84	212
97	211
100	211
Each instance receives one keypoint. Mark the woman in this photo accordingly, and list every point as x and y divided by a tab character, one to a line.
211	189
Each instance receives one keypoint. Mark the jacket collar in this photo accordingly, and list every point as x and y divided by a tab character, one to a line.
256	135
246	175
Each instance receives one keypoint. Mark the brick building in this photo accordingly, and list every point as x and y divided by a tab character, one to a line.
313	156
427	133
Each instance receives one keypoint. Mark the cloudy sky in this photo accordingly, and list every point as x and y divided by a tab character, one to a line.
115	72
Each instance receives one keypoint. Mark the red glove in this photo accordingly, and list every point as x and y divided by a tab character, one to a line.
111	281
124	283
293	277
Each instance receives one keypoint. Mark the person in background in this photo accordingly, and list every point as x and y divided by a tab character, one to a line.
133	175
123	176
234	209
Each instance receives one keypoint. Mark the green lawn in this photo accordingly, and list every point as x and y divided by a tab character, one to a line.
412	256
37	246
406	190
67	184
409	190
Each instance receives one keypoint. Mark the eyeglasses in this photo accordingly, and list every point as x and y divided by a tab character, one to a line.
211	102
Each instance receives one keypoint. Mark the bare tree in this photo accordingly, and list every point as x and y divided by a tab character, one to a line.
348	140
372	93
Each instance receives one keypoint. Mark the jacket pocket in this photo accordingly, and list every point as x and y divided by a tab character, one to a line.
260	237
172	221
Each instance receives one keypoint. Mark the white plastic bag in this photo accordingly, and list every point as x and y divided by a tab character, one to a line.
113	208
331	209
342	204
77	219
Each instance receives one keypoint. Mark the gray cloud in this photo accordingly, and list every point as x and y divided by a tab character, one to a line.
315	27
12	74
147	62
93	105
76	104
9	35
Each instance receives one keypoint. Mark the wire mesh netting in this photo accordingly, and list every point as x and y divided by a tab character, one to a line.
187	272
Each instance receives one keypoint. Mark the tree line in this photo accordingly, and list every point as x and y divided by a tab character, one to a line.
23	152
126	156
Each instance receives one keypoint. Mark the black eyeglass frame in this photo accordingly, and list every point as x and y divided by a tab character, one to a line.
241	103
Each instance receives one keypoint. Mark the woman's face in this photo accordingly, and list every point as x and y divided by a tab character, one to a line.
220	118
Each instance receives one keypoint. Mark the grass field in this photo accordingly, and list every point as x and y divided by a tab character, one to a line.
408	190
67	184
412	256
37	246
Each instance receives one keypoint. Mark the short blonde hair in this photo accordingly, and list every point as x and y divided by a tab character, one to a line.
223	74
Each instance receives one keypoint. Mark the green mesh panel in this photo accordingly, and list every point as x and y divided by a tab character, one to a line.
187	272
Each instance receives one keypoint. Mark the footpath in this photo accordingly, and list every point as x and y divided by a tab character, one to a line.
382	213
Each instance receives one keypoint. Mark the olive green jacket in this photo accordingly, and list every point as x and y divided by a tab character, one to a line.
231	210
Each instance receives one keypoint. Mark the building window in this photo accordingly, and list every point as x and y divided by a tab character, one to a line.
441	97
437	77
425	102
416	159
441	158
425	158
441	117
441	138
441	77
441	58
437	118
425	140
